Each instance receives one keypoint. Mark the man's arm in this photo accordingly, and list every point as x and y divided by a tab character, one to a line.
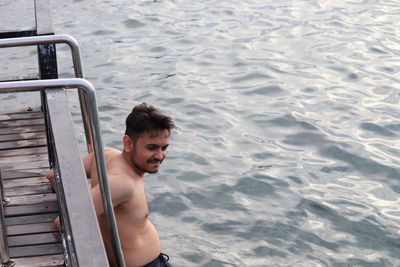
121	191
87	163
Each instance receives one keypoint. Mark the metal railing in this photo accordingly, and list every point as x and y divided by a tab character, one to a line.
90	97
76	61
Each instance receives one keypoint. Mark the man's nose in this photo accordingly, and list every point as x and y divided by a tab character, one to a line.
159	155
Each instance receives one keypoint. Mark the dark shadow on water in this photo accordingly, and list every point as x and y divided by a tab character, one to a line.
221	196
132	23
393	127
195	158
288	235
264	251
360	262
306	139
265	91
223	228
332	150
193	257
217	197
284	121
168	205
192	176
377	129
366	231
368	167
263	155
337	169
290	238
254	187
216	263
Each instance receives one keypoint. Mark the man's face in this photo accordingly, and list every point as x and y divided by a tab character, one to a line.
149	151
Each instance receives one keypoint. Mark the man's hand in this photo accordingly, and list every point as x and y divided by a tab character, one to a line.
57	223
50	177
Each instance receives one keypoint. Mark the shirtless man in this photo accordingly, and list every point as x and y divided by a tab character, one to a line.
145	147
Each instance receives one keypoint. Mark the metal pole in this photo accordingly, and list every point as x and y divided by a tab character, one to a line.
4	252
77	64
102	172
87	87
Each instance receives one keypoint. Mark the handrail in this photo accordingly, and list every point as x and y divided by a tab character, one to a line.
77	64
89	90
49	39
4	251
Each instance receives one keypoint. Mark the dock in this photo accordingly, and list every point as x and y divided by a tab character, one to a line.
32	206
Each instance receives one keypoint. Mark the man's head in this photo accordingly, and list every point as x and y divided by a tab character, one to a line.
147	138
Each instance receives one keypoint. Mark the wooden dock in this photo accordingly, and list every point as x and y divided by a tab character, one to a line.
32	238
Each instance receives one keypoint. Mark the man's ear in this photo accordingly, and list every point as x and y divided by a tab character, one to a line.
128	143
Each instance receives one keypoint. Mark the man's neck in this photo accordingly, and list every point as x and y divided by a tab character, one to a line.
140	173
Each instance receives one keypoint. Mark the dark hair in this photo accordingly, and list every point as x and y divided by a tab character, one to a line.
145	118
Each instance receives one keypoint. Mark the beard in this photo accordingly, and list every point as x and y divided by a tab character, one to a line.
146	168
154	161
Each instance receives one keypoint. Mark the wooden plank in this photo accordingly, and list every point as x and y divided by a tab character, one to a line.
23	144
40	208
21	116
21	110
28	190
23	151
18	174
34	239
29	219
42	261
17	123
28	165
22	136
36	250
30	129
34	228
12	174
24	159
31	199
24	182
34	171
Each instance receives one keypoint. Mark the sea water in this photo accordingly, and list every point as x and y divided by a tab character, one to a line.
286	151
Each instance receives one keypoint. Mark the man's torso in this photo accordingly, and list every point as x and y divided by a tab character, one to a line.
139	239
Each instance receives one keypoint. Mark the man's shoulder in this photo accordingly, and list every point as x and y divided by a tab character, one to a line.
113	157
109	154
111	150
